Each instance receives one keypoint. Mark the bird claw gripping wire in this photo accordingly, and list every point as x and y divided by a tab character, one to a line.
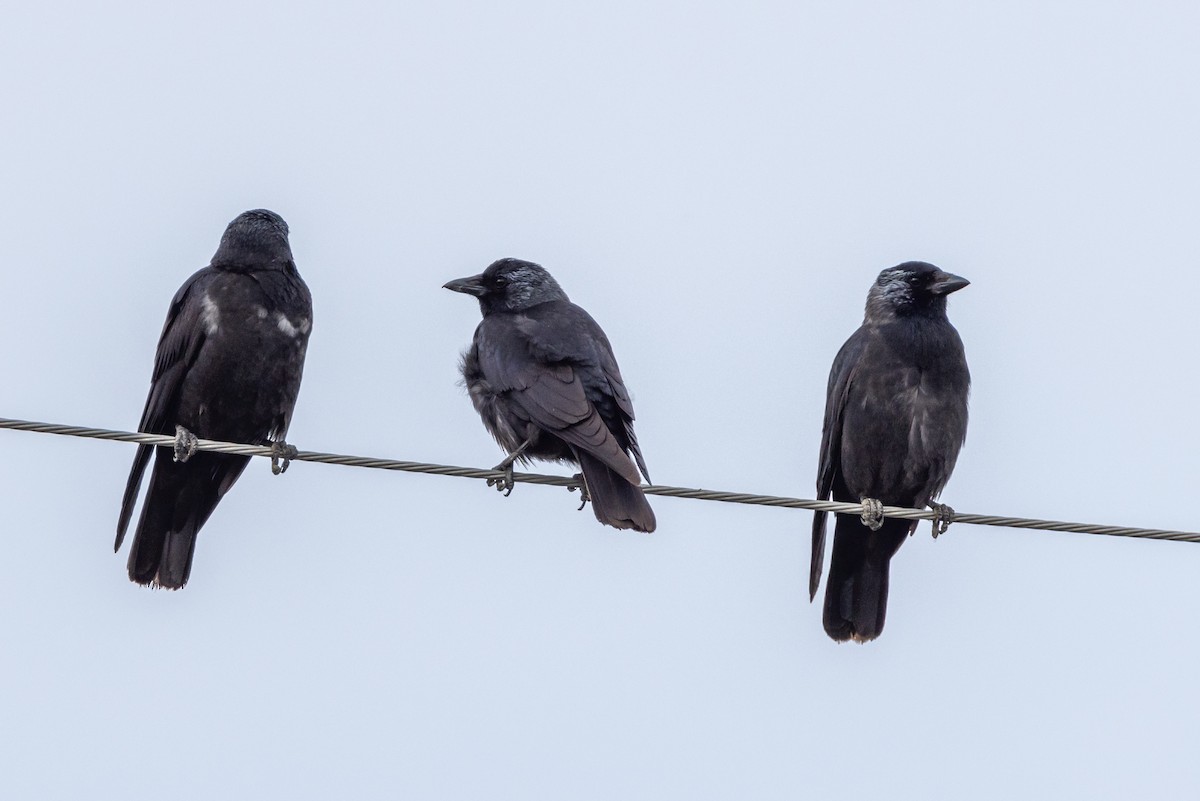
943	516
185	444
584	497
872	513
504	483
282	455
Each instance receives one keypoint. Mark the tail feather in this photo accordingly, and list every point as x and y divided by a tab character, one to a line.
857	589
132	485
615	501
179	501
817	560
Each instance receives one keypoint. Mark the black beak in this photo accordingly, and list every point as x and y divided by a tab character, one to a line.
469	286
945	283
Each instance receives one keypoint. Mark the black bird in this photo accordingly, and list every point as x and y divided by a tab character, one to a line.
228	367
895	419
543	377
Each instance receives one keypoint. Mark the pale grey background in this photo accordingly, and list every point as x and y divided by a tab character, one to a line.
718	185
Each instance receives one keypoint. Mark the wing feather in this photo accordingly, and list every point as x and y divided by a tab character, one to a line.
182	338
841	377
545	377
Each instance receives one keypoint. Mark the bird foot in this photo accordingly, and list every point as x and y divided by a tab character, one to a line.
872	513
584	497
506	482
282	455
943	516
185	444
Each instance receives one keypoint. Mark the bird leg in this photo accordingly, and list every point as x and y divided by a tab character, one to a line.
185	444
584	497
506	483
943	516
282	455
872	513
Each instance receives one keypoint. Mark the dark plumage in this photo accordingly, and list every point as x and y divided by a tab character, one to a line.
228	367
543	377
895	419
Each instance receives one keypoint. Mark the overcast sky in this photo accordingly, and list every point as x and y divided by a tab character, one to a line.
718	185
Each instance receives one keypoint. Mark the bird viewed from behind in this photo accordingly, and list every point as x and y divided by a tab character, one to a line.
895	419
543	377
228	367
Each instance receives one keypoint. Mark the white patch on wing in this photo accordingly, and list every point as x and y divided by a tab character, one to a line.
260	312
290	328
210	314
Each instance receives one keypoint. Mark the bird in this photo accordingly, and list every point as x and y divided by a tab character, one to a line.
895	420
228	367
542	375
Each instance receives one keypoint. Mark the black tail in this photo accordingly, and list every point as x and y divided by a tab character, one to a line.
857	589
179	500
132	485
615	501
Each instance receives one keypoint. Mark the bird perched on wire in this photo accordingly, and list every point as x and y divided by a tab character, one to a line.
543	377
895	419
228	367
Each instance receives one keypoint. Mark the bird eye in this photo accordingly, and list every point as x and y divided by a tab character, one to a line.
501	280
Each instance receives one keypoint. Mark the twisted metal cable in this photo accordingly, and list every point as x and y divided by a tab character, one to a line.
565	481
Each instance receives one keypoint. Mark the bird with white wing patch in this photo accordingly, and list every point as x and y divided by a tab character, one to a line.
228	366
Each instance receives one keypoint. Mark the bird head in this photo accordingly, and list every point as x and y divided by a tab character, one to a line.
509	285
255	238
914	287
